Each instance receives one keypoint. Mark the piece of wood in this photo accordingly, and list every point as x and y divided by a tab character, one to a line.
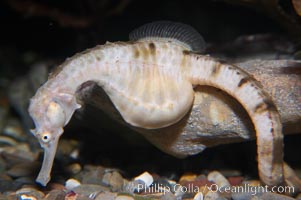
216	118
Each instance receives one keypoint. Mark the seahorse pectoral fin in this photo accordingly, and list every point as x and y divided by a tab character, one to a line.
49	154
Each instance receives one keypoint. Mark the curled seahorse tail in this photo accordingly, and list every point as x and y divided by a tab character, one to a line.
261	109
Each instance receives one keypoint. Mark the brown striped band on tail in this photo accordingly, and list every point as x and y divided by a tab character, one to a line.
258	104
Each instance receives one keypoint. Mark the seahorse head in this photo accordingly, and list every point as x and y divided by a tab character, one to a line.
50	111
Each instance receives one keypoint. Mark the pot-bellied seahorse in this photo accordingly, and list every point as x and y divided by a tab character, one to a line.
150	81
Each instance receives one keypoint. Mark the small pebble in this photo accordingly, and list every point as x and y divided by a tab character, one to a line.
235	180
14	129
275	196
187	177
27	197
179	192
199	196
214	196
241	195
162	185
199	182
114	180
146	178
75	196
205	189
91	175
28	180
222	183
4	140
74	154
89	189
124	197
9	185
248	194
218	178
168	196
71	196
230	172
171	182
5	177
71	184
133	186
23	169
106	196
252	183
19	154
29	191
55	195
80	197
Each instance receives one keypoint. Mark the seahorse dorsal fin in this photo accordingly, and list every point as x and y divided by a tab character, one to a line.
180	33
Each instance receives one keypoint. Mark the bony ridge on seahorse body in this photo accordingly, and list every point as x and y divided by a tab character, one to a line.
150	81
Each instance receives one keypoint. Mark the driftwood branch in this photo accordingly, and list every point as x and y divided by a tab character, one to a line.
216	118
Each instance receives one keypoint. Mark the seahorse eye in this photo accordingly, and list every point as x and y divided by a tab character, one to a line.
46	137
56	114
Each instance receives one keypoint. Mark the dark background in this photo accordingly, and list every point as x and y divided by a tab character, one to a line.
57	29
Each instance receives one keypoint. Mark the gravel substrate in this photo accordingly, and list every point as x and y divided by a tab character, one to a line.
20	163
